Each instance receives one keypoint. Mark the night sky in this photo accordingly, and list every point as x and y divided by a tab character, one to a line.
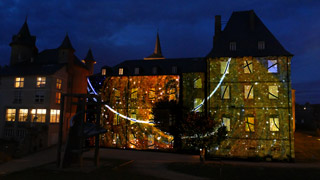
119	30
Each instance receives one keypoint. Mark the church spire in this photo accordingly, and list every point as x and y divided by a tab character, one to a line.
157	54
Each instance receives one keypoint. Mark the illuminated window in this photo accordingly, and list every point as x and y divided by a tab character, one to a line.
248	67
223	66
152	93
196	103
59	84
225	92
23	115
226	123
17	97
174	69
274	124
172	94
41	82
103	72
117	94
134	93
54	115
273	92
248	91
272	66
154	70
58	97
233	46
115	120
11	115
197	83
136	70
39	97
120	71
261	45
38	115
133	116
19	82
249	124
150	141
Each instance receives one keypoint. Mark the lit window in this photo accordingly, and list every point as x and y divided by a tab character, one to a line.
54	115
59	84
249	124
134	93
17	97
133	116
274	124
152	93
136	70
272	66
103	72
120	71
39	97
174	69
172	94
248	91
226	123
150	141
197	83
233	46
11	115
273	92
58	97
154	70
223	67
41	82
248	67
115	119
38	115
196	103
19	82
225	92
261	45
23	115
117	94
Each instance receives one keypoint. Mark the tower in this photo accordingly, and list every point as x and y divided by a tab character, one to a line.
66	51
89	61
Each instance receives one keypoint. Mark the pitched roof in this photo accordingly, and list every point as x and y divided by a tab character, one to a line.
246	29
30	69
89	56
24	37
157	54
66	44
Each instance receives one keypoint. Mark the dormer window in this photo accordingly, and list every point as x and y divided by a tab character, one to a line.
154	70
233	46
174	69
103	72
136	70
261	45
120	71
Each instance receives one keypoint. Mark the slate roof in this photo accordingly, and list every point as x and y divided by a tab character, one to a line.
30	69
246	29
23	37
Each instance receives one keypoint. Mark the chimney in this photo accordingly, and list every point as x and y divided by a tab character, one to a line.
252	22
217	25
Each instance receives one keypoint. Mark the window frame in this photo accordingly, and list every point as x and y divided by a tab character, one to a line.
58	98
39	97
248	95
233	46
41	82
23	117
197	83
225	88
273	122
273	63
59	84
223	67
36	113
271	95
120	71
19	82
54	115
227	125
248	67
13	114
248	124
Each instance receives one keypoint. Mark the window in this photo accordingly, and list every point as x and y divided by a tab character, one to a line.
17	97
21	133
8	132
273	92
154	70
134	93
225	92
172	94
103	72
249	124
11	115
41	82
54	115
23	115
117	94
115	120
248	91
58	97
247	67
39	97
136	70
19	82
261	45
196	103
120	71
152	93
150	141
38	115
223	67
59	84
226	123
197	83
133	116
233	46
274	124
272	66
174	69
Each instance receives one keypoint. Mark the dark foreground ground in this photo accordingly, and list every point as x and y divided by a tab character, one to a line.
128	164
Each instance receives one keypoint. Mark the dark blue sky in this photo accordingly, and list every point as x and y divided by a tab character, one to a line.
118	30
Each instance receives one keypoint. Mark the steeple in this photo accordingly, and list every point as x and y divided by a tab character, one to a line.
89	56
66	44
157	54
89	61
24	37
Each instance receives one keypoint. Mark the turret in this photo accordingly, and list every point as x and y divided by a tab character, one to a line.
89	61
66	51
